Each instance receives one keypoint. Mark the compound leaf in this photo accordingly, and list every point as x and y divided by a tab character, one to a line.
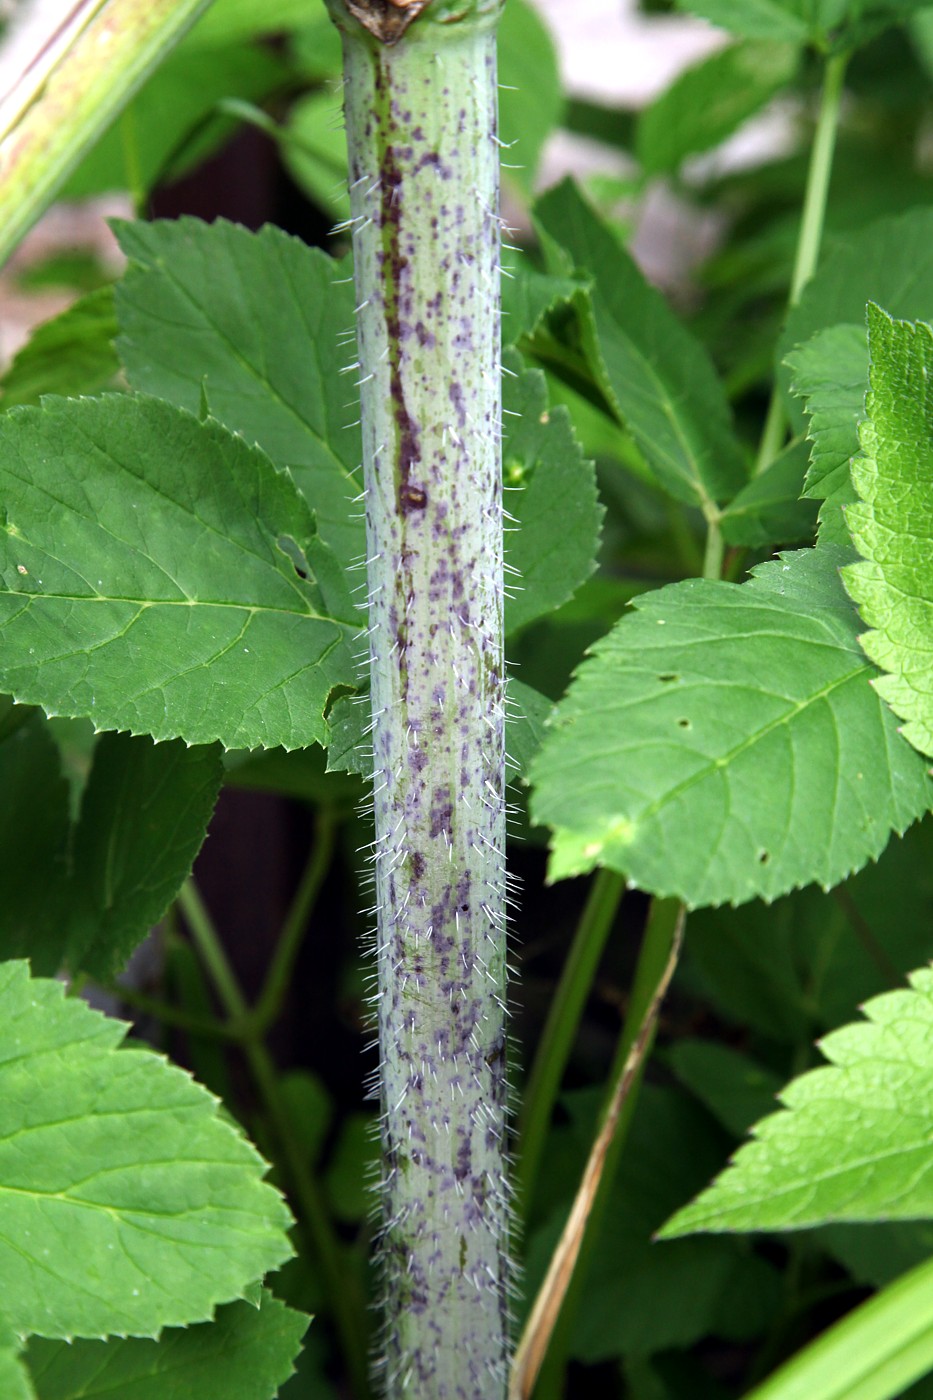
723	742
158	575
657	377
246	1353
892	524
852	1141
128	1203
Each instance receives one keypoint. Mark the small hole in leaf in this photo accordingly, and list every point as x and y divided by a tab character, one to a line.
295	553
668	676
683	723
763	857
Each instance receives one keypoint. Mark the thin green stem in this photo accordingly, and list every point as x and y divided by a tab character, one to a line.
811	231
278	978
341	1283
211	1029
659	947
561	1026
713	554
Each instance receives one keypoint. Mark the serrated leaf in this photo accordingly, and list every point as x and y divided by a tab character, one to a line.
853	1139
550	490
889	262
892	524
143	820
262	324
769	510
15	1381
723	742
657	377
70	354
830	373
178	587
246	1353
127	1203
710	100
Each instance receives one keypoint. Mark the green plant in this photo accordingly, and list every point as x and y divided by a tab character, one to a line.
177	557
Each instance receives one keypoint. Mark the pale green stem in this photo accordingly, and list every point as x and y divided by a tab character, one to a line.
339	1280
811	231
420	98
70	94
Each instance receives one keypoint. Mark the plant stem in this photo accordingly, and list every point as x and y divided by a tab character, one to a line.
88	65
280	971
420	99
339	1282
560	1028
811	231
550	1324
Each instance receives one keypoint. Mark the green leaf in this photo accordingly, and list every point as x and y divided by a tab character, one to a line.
88	893
892	524
709	101
34	830
872	1354
230	21
528	295
128	1203
734	1087
831	24
70	354
794	969
724	742
530	92
178	587
657	377
143	820
15	1382
830	372
727	1292
550	490
246	1353
262	325
889	262
853	1140
176	102
768	510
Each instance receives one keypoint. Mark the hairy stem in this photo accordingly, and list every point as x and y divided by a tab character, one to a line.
86	64
420	101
